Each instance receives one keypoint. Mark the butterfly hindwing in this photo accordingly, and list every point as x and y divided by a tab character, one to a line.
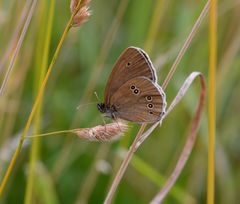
139	100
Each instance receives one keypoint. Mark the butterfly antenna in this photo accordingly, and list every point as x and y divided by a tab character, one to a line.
100	114
86	104
97	97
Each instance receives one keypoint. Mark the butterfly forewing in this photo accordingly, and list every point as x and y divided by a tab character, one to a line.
139	100
132	63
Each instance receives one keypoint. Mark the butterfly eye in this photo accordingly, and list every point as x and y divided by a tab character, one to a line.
128	64
136	91
150	105
149	98
132	87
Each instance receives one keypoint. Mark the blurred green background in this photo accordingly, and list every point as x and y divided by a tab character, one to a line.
70	170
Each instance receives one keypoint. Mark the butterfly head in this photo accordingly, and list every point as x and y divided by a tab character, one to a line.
107	110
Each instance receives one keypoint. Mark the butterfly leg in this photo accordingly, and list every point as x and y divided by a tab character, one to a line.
115	119
104	122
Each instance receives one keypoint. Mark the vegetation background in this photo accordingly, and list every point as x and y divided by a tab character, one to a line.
70	170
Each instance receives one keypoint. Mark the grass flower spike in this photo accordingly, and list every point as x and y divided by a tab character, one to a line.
83	13
108	132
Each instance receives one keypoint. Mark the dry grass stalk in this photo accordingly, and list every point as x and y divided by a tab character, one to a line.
192	134
18	46
83	14
108	132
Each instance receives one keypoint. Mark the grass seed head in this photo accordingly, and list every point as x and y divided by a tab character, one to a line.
83	13
108	132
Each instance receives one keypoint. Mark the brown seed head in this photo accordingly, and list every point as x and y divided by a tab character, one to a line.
83	13
108	132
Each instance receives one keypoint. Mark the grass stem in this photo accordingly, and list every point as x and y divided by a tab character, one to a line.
211	100
41	66
124	165
186	44
36	103
17	49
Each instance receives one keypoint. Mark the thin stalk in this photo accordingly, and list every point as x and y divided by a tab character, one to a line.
16	32
152	174
155	24
36	103
38	69
192	134
92	176
42	69
124	165
16	89
50	133
211	100
186	44
17	49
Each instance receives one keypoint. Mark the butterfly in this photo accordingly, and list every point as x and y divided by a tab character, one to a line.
132	92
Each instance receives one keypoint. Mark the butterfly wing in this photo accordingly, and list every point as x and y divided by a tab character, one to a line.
139	100
132	63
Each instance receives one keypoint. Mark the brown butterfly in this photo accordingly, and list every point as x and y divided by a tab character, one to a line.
132	92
